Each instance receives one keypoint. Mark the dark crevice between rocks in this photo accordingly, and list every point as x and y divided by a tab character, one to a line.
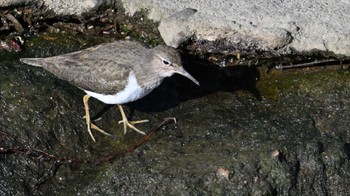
347	150
223	53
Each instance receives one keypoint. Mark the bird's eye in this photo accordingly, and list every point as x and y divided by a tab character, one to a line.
165	62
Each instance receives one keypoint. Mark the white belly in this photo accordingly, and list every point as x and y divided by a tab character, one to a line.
131	92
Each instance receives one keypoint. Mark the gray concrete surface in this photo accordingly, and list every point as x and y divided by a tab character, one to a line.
175	29
302	25
61	7
72	6
5	3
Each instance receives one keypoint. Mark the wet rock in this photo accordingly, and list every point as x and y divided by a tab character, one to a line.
294	140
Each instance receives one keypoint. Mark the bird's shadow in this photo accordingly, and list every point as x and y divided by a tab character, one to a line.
212	78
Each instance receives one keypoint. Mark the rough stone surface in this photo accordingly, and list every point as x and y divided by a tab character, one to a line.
66	7
5	3
278	25
175	29
61	7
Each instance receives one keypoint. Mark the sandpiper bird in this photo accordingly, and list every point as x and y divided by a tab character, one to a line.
115	73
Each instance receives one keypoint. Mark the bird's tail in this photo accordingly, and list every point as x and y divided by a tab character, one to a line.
32	61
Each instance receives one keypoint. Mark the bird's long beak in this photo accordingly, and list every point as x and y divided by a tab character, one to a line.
183	72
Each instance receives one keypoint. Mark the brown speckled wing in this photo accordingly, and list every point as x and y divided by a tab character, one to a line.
102	69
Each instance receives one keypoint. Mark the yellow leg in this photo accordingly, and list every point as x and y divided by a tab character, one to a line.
129	124
87	115
89	124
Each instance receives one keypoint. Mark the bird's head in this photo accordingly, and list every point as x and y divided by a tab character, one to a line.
168	62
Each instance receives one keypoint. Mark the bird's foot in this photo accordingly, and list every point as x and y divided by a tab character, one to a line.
93	126
128	123
131	124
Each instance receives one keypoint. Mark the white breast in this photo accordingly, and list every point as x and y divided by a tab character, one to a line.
131	92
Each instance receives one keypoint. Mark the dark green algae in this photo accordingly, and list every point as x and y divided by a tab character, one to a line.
304	81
